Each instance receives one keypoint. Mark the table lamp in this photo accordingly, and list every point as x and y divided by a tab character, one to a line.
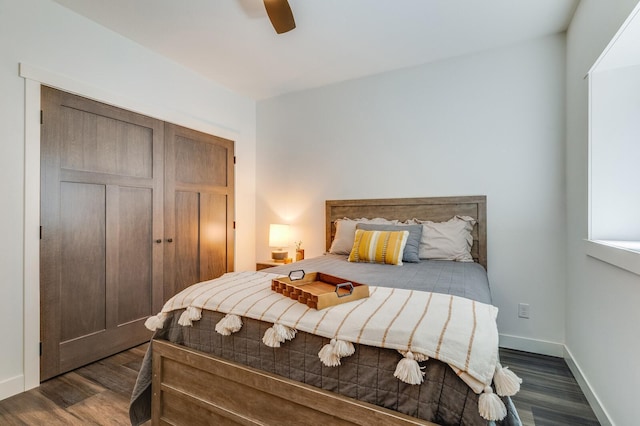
278	239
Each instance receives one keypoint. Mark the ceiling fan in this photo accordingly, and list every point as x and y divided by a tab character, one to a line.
280	15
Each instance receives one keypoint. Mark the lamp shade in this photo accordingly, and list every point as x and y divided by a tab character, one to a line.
278	235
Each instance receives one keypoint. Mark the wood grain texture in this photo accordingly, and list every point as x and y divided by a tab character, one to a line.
103	213
106	139
97	394
82	259
101	207
549	395
134	255
199	207
213	235
201	163
185	261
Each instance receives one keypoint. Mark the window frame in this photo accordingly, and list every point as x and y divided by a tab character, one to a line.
616	253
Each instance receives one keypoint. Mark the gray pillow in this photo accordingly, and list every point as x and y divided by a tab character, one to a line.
411	250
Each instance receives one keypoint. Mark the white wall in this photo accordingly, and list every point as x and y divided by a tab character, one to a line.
67	50
490	123
602	314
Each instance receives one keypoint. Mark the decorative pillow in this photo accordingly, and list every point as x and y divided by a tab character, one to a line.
378	246
346	231
411	249
450	240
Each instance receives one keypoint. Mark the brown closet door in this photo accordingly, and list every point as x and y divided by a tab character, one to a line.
101	212
199	207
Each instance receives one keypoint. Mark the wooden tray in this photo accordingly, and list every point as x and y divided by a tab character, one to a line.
318	290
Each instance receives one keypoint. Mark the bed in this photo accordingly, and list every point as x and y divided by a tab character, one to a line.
196	372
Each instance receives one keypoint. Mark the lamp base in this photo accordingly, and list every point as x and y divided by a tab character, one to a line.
279	256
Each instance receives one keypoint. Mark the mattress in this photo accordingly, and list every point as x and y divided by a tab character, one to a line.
368	374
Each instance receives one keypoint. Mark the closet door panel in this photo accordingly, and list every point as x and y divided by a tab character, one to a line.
186	240
82	259
94	142
134	255
200	162
213	235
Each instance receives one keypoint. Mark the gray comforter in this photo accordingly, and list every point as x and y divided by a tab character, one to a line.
367	375
464	279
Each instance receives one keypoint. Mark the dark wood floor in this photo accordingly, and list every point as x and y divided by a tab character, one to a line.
98	394
549	394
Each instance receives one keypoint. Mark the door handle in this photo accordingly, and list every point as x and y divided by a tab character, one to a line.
169	240
158	241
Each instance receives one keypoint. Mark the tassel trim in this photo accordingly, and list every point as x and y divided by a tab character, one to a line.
189	315
343	348
277	334
332	352
155	322
283	332
507	383
408	370
491	406
229	324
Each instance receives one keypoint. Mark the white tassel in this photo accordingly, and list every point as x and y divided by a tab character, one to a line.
284	332
155	322
271	338
229	324
342	348
234	323
506	381
184	319
195	314
409	371
189	315
491	406
328	355
277	334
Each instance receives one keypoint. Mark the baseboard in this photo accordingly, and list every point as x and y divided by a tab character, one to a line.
594	402
542	347
11	386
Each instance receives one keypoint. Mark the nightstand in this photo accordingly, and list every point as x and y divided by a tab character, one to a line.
267	264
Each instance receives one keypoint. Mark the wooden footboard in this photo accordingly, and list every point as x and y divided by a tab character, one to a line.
195	388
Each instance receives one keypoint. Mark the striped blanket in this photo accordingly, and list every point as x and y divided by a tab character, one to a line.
458	331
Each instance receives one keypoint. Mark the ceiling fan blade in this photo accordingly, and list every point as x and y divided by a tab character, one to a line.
280	15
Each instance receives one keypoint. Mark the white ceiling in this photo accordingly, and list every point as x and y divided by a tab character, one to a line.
232	41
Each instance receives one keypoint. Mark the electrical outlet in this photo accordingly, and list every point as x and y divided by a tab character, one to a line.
523	310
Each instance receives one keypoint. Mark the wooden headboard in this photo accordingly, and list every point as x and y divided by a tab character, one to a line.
436	209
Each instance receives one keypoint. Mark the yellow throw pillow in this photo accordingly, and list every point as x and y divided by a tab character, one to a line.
378	246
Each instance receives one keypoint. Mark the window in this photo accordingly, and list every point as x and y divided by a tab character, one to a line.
614	148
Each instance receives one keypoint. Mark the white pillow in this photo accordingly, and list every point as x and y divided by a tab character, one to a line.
450	240
346	232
